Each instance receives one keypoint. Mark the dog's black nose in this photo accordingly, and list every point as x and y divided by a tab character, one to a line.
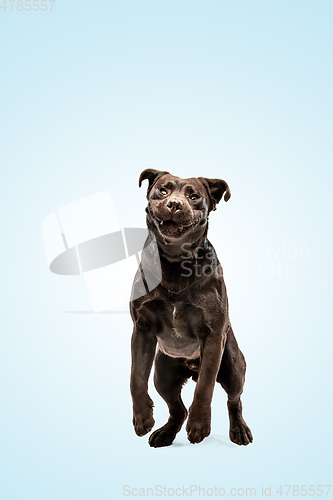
174	205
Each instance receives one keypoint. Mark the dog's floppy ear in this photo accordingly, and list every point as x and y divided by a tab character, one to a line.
216	188
152	175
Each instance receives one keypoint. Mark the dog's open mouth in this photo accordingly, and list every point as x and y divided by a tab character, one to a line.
172	228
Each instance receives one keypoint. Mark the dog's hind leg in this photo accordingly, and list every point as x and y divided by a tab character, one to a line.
232	377
169	378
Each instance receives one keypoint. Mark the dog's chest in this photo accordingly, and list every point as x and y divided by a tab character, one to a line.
177	338
178	322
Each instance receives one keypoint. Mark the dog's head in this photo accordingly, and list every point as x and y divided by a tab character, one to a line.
178	208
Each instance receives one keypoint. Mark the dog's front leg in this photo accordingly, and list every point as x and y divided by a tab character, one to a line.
143	353
198	423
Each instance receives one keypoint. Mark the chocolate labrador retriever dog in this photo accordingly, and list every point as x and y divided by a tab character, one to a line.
183	322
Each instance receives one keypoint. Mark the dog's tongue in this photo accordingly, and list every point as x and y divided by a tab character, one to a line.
170	227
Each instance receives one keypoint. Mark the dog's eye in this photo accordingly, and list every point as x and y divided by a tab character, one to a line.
163	191
194	197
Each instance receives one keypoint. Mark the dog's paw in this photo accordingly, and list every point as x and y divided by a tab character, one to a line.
198	424
240	433
162	437
197	430
143	424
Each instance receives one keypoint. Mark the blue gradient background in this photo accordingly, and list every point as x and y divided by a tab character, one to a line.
91	94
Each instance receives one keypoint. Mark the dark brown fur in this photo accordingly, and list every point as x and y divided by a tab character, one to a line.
186	316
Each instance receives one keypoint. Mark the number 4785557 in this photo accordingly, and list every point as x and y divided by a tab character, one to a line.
304	490
27	5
